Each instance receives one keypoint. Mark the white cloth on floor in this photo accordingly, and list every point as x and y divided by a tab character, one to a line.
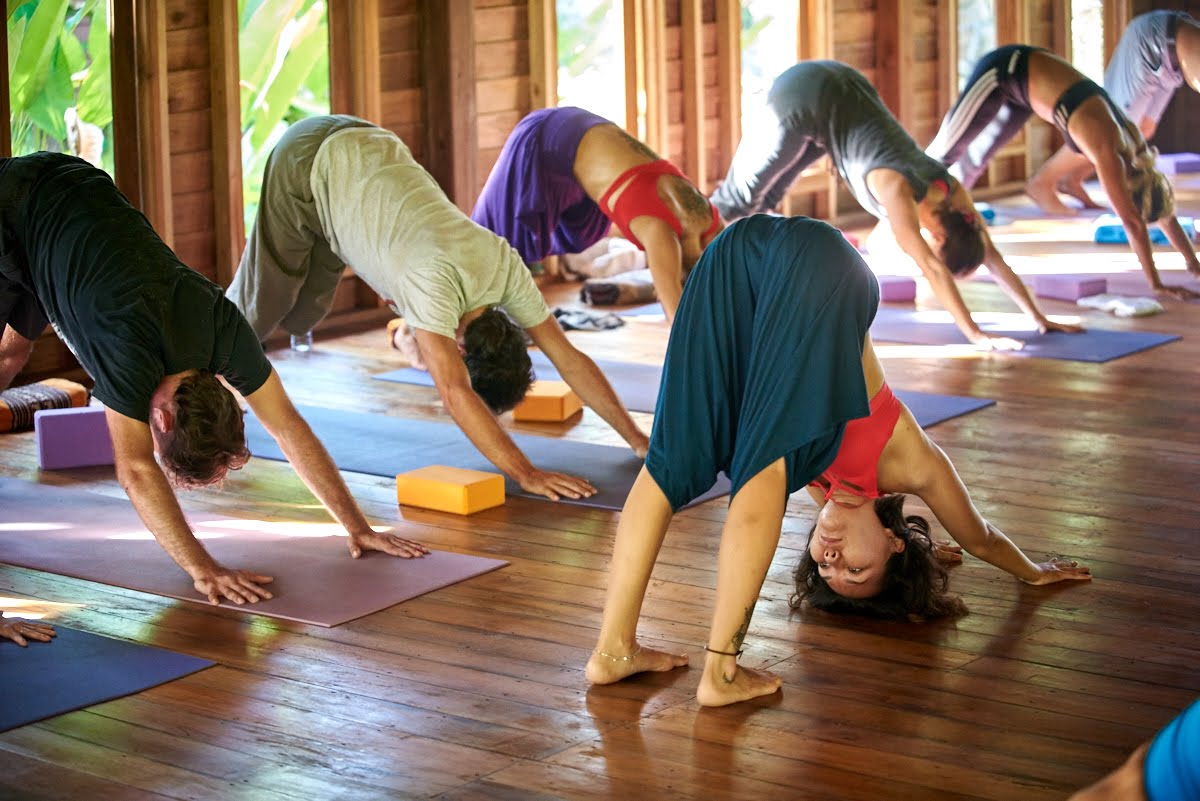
1122	306
609	256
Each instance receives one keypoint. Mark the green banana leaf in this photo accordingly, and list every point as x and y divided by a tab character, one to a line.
302	57
36	48
258	43
94	103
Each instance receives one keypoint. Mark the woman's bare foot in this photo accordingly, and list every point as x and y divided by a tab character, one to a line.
716	689
1047	199
1077	191
606	667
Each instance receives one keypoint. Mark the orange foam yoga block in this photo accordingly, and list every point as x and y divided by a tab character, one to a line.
450	489
548	402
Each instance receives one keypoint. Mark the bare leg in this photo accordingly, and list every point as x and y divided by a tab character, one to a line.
1042	186
748	543
1072	185
640	533
15	351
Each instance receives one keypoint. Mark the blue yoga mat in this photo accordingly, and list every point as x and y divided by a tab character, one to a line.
386	446
77	669
637	387
1093	345
648	310
1108	230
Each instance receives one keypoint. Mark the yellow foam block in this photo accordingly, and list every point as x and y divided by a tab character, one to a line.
450	489
548	401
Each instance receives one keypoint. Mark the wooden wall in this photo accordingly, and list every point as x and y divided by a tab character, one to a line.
453	77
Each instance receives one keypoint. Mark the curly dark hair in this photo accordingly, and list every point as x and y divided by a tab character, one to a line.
915	584
962	248
208	438
497	360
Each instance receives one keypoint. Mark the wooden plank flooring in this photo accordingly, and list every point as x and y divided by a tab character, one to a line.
477	691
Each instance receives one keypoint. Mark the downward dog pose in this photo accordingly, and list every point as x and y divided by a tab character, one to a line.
157	338
339	191
767	363
826	107
565	175
1158	52
1011	84
1164	769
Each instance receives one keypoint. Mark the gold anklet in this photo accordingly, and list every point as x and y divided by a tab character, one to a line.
626	658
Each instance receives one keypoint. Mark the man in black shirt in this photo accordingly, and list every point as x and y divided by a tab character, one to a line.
157	338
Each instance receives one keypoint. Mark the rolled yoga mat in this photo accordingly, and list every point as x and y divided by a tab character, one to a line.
637	387
386	446
77	669
81	534
1093	345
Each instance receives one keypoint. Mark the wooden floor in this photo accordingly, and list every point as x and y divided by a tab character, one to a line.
477	691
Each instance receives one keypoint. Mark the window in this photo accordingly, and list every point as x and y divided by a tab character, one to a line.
591	56
1087	38
60	81
769	46
976	35
283	48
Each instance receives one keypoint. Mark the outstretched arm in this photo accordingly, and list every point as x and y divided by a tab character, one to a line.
147	487
1015	288
940	487
664	258
316	469
1181	242
583	376
14	353
479	424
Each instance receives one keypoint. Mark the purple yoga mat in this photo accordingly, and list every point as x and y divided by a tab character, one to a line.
77	669
387	446
648	310
637	387
1093	345
81	534
635	384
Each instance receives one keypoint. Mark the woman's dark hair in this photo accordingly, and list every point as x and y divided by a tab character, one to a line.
962	245
497	360
208	438
915	584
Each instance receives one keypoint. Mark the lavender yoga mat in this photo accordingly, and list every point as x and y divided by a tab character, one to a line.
78	669
1093	345
81	534
386	446
637	387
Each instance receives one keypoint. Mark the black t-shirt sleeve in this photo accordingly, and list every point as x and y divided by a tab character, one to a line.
237	354
127	374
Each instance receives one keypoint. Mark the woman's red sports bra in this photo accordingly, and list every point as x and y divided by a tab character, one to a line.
856	467
640	199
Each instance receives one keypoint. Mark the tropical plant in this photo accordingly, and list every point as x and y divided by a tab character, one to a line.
284	76
60	84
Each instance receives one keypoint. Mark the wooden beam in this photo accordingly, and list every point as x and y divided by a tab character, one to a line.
729	80
5	112
355	63
947	23
695	145
894	58
448	53
230	229
1117	15
122	45
1012	22
543	54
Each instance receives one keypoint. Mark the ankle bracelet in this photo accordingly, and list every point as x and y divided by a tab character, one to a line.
627	658
724	653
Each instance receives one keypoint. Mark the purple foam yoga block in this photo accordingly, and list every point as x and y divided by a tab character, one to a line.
1068	287
1174	163
72	438
896	288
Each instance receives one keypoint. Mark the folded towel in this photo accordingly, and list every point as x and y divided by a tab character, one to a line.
585	320
1122	306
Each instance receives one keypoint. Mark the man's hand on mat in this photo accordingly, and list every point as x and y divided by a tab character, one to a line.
556	485
239	586
986	341
21	631
1177	292
947	551
385	543
1046	326
1061	570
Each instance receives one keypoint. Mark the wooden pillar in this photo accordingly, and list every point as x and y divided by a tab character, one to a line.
230	233
5	111
448	60
543	54
894	58
1117	15
141	151
1012	22
729	79
947	37
355	63
645	73
695	144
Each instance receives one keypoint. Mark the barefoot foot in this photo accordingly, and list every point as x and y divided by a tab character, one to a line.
1077	191
1047	199
608	667
717	690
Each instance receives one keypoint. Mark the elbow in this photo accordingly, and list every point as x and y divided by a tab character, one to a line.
135	475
